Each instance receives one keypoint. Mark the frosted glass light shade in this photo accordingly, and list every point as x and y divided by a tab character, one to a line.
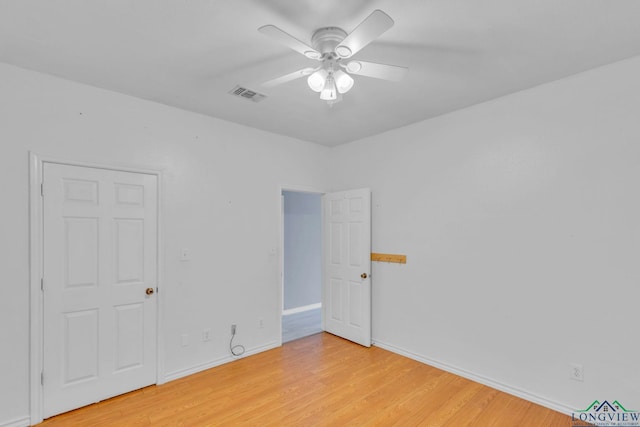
344	82
316	80
329	92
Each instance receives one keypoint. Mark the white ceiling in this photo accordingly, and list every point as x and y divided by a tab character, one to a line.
190	53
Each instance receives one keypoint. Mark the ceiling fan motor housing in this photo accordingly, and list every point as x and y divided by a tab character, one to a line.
326	39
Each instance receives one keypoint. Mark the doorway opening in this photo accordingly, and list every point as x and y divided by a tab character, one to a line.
302	264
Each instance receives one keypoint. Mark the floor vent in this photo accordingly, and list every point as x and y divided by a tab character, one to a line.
245	93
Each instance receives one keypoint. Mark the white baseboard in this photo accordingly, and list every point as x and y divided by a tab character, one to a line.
216	362
301	309
479	379
18	422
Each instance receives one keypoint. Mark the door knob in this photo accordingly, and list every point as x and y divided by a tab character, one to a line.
149	291
363	275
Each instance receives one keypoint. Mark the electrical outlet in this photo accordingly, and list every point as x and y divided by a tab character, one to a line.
206	335
576	372
185	340
233	329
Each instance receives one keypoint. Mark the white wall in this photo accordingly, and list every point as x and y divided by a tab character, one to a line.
221	200
302	249
520	219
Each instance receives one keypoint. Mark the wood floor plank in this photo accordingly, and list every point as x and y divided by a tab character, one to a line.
468	414
321	380
504	410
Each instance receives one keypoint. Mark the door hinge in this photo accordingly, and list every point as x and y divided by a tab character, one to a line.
42	189
42	284
42	378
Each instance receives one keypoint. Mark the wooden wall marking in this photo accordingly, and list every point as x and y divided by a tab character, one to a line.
400	259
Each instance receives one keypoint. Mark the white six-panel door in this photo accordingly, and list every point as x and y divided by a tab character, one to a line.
346	290
100	278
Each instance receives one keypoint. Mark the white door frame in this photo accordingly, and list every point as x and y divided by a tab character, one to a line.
36	247
297	189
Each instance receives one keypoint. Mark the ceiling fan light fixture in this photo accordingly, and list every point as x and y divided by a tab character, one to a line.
332	46
316	81
344	82
329	91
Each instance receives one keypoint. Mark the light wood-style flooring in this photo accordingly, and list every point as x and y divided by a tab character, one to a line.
320	380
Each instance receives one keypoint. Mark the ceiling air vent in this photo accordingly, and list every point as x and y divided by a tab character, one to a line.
245	93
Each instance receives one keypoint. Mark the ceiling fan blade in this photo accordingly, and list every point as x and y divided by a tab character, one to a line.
378	71
288	40
368	30
289	77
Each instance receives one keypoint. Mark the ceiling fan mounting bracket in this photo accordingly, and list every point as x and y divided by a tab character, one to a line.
325	40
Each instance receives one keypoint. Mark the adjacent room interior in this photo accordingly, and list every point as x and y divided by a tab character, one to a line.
302	265
196	156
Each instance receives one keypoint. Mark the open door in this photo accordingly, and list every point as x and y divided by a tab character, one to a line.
346	285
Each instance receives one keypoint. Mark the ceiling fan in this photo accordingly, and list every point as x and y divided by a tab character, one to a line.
333	47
